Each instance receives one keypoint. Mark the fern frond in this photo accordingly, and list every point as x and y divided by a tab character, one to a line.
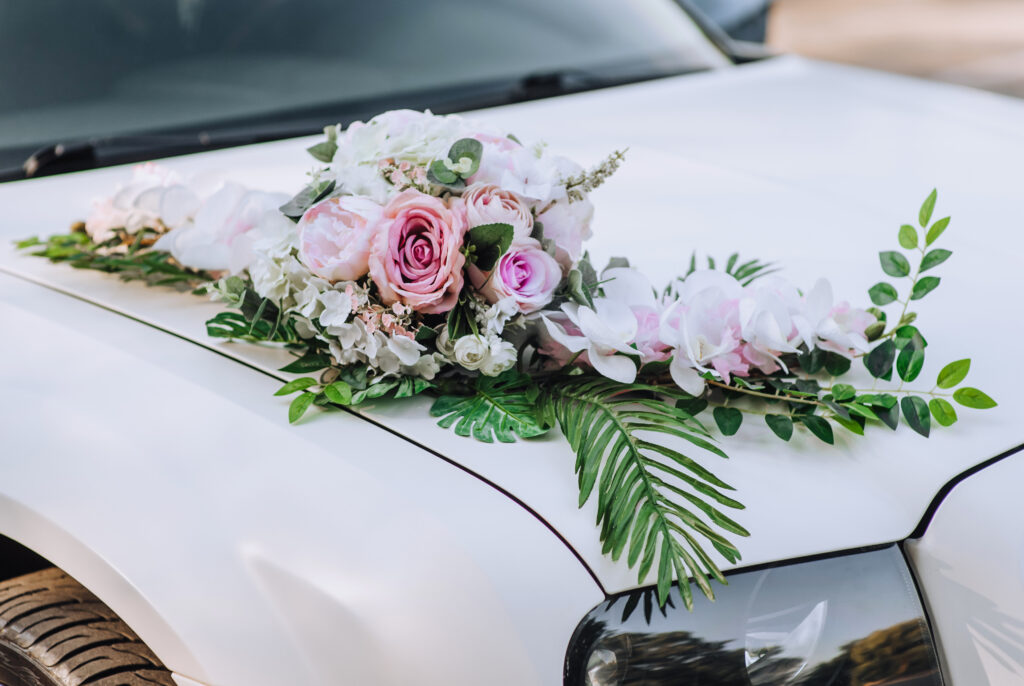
502	407
653	502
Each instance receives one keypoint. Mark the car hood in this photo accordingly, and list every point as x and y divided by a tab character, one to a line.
811	165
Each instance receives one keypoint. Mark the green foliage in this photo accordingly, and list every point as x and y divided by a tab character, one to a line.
894	263
744	272
933	258
487	243
299	406
936	230
908	237
728	419
942	411
879	360
953	373
915	411
927	207
883	293
500	407
780	424
306	198
650	495
123	255
972	397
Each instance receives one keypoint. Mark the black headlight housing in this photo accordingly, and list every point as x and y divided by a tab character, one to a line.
850	620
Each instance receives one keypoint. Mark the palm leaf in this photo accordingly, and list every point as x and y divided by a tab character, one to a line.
502	407
653	502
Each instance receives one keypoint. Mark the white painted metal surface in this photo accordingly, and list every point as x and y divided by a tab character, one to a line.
970	564
243	538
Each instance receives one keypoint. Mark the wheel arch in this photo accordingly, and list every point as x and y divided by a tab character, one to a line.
29	541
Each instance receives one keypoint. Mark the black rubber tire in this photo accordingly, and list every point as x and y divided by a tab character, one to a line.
53	632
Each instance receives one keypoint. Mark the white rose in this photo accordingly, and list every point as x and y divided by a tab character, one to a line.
488	204
500	358
471	351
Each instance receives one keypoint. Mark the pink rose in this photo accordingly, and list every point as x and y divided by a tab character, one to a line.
335	236
415	258
488	204
525	272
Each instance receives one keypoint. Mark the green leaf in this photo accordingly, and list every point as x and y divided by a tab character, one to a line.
953	373
339	393
502	407
440	174
924	286
927	207
890	416
908	237
324	151
909	363
883	293
488	242
780	424
728	419
299	406
936	231
879	360
652	500
312	361
817	426
843	392
942	411
467	147
296	385
972	397
894	263
850	424
836	364
915	411
933	258
306	198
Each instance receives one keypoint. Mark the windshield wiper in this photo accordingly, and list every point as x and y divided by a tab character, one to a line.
73	155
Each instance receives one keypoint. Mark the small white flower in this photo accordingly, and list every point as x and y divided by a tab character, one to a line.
471	351
500	357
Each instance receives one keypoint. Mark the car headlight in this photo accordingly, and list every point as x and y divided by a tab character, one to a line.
843	621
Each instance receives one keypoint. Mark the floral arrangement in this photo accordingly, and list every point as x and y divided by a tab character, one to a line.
428	254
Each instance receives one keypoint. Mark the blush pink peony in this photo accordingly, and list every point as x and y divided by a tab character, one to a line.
335	237
415	257
488	204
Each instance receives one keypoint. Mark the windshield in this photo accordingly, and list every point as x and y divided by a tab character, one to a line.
70	69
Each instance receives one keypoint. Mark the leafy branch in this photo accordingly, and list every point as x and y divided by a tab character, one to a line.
642	484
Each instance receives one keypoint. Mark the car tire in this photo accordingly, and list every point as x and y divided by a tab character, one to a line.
54	632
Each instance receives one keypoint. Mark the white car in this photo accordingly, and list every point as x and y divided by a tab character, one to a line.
164	524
